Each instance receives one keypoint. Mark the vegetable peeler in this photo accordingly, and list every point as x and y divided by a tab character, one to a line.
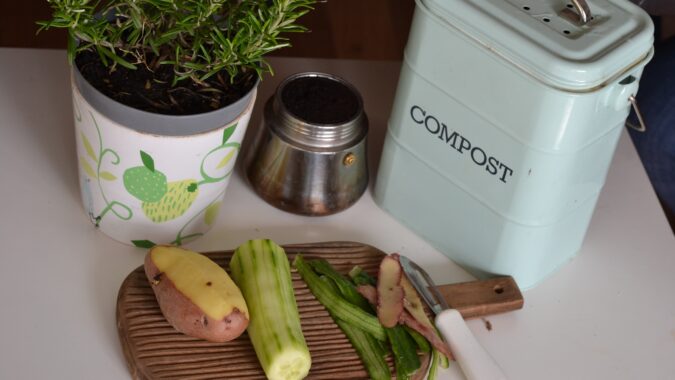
473	359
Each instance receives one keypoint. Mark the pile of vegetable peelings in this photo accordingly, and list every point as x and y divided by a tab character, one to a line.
379	316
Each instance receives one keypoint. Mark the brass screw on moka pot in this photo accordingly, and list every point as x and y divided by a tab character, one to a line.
349	159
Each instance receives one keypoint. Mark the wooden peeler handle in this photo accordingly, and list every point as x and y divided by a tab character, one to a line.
483	297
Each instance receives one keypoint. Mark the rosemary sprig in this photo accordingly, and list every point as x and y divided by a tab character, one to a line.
199	38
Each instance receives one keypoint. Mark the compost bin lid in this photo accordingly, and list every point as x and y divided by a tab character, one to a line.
548	40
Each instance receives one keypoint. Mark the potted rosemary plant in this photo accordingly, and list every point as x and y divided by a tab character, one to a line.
162	94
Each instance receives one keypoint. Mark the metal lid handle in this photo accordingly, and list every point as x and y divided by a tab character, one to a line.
583	10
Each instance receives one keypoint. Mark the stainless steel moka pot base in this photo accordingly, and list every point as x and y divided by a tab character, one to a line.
309	156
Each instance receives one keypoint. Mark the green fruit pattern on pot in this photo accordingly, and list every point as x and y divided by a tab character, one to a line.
145	185
163	201
177	200
144	182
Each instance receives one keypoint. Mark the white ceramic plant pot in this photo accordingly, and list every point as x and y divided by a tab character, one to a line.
148	178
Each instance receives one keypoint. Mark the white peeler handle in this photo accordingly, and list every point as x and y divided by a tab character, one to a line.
476	363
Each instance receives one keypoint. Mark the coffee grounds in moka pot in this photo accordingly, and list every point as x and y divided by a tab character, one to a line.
317	100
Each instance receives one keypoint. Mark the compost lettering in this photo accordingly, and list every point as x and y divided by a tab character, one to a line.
460	143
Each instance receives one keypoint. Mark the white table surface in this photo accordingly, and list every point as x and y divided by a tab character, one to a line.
609	314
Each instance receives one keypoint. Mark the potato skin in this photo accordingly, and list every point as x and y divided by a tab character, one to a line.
185	316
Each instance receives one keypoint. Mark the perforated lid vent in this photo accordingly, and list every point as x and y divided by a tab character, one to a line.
561	17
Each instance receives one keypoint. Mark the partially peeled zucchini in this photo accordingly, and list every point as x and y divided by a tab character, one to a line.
261	270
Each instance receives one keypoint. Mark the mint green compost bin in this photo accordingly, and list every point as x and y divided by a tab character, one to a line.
505	121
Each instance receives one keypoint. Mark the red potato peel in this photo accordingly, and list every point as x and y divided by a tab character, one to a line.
428	333
417	319
368	292
413	303
423	327
389	291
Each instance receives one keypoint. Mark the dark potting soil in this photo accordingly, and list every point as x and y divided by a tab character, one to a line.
318	100
152	91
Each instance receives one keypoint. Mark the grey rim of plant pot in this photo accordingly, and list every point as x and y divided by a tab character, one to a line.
160	124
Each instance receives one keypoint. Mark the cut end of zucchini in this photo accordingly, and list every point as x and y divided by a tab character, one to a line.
290	365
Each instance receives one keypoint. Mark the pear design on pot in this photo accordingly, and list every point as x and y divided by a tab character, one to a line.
162	200
174	203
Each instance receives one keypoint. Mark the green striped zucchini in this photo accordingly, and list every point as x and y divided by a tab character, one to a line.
261	270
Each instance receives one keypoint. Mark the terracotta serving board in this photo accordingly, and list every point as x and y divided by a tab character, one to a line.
154	350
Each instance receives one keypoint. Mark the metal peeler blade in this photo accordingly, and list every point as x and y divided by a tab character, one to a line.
423	284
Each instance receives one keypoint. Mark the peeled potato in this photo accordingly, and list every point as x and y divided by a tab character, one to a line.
196	295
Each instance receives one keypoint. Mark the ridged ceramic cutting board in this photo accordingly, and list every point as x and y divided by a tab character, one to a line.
154	350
